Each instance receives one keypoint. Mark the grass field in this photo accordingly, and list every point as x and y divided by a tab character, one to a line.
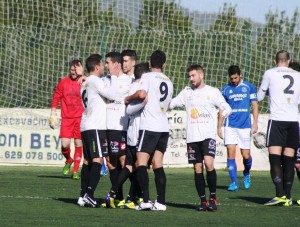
40	196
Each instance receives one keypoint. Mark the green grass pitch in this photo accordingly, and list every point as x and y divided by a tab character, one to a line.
41	196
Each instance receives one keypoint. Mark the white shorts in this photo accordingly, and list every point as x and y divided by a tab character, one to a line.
237	136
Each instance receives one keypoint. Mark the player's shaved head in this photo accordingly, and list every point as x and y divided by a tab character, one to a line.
282	56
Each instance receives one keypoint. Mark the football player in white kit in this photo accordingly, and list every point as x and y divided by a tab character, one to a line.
134	111
154	130
201	102
93	127
283	86
117	121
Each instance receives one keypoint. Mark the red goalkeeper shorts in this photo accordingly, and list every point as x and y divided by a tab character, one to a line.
70	128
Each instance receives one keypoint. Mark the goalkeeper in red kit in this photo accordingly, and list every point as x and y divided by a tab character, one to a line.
67	94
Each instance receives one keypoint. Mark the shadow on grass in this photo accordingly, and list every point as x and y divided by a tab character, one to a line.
181	205
74	200
258	200
222	187
56	177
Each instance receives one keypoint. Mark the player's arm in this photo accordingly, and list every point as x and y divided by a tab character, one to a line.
135	108
107	90
263	87
254	105
220	102
178	101
57	96
138	95
220	124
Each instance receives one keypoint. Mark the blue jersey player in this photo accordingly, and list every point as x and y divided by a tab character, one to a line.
240	95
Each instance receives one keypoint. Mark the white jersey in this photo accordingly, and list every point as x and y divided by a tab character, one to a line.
159	90
283	84
93	93
117	119
134	119
201	113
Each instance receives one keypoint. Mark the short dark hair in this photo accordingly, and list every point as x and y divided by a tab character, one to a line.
196	67
130	53
158	59
140	69
92	61
295	66
74	62
282	56
115	57
234	69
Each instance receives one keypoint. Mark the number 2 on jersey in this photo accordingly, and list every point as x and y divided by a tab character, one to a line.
288	90
163	88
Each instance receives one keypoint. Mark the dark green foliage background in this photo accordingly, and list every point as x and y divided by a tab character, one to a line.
39	38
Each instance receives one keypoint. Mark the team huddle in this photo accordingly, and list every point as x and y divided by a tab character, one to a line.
120	121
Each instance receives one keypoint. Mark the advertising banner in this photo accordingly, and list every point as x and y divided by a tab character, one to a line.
27	139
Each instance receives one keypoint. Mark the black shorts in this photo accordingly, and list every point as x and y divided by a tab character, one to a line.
94	144
283	134
150	141
130	156
197	150
116	141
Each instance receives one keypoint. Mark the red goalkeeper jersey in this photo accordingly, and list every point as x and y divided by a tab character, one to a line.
67	93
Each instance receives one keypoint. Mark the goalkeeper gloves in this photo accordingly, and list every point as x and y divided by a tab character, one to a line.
53	120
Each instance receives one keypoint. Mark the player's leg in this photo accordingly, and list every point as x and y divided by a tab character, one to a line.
96	145
288	173
244	143
288	160
78	148
143	179
209	151
66	151
77	159
117	150
160	181
159	173
230	140
274	140
84	171
195	157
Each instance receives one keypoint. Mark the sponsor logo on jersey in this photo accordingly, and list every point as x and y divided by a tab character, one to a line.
114	145
212	144
190	150
123	146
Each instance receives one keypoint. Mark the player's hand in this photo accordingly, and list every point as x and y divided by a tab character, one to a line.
79	69
52	120
81	80
220	133
254	128
126	100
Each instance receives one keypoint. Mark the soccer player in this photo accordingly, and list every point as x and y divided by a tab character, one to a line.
134	112
67	93
201	102
129	61
240	95
93	127
296	66
283	85
117	121
154	130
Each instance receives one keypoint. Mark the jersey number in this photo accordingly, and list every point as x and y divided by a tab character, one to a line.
84	99
287	90
163	88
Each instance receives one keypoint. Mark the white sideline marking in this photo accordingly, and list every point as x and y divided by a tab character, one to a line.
25	197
